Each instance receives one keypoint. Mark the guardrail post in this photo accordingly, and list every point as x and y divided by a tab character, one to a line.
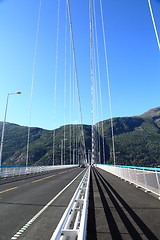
145	182
158	183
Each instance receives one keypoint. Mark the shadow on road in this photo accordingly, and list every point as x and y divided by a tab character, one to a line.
127	216
91	227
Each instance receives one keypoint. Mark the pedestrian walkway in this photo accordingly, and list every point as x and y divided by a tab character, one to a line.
118	210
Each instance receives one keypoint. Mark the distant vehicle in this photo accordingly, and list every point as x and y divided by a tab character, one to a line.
83	165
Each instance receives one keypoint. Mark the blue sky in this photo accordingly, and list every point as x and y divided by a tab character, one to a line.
133	60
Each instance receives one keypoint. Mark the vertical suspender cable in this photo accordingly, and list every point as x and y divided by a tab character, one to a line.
70	89
76	75
33	79
99	80
65	79
96	91
91	78
55	80
154	24
108	81
96	102
73	109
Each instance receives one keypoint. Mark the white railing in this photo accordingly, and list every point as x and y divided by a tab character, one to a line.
73	223
146	178
22	170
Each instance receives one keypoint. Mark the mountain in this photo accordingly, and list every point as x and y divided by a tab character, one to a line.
137	142
137	139
154	112
41	144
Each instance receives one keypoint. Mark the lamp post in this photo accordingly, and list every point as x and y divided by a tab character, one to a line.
89	157
74	156
62	149
3	127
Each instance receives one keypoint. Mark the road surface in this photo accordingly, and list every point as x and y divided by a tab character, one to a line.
118	210
30	207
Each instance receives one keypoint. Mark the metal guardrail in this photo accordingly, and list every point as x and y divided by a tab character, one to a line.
22	170
146	178
73	223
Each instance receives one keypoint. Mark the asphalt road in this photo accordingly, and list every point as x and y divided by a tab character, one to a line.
118	210
24	213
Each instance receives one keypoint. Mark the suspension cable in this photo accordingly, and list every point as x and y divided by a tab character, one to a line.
91	77
70	89
65	82
96	102
154	24
33	80
55	80
76	76
99	79
108	81
73	109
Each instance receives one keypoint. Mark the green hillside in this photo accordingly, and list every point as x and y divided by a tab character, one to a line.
137	139
137	142
41	144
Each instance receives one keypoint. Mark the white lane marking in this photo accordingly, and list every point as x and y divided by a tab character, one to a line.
43	209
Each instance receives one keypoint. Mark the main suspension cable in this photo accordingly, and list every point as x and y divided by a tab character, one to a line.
154	23
76	76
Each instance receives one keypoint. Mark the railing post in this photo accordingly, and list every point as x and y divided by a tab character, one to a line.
158	184
129	176
145	183
136	178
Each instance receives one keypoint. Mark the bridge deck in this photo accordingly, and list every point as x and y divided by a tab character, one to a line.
118	210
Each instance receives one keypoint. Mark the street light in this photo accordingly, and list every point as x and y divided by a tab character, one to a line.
89	157
74	155
2	136
62	149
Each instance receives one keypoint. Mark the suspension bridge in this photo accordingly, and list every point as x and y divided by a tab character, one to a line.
78	195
